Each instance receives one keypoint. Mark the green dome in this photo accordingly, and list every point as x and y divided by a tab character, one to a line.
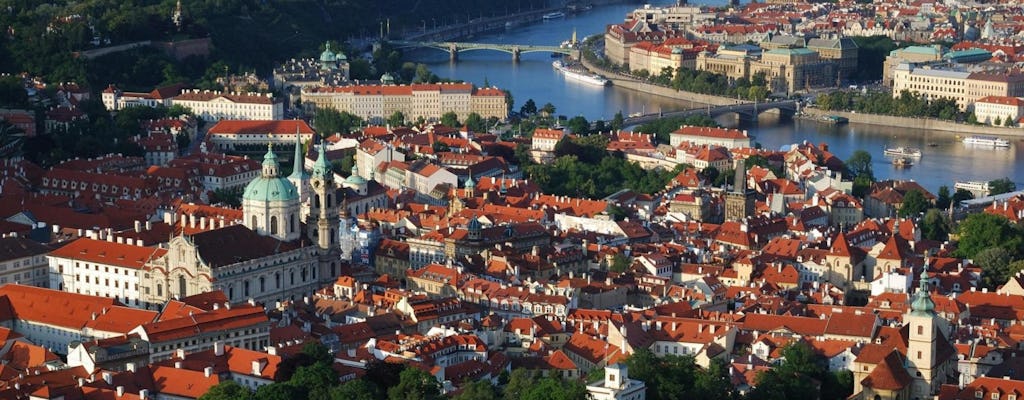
328	55
270	189
270	186
355	179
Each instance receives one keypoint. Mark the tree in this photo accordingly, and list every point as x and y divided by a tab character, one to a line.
972	119
277	391
529	108
1000	186
478	390
961	195
414	384
934	225
619	263
995	266
318	352
357	389
617	121
552	388
981	231
450	119
1008	122
519	383
913	204
397	119
943	200
226	390
476	123
547	110
998	121
423	74
798	377
859	164
315	380
578	125
328	121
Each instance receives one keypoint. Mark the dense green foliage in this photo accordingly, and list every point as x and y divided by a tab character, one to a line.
801	376
526	385
329	121
679	377
1000	186
871	53
913	204
907	104
983	230
584	169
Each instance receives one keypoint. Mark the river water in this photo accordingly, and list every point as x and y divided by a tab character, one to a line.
944	159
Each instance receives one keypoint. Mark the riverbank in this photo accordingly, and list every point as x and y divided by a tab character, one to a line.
917	123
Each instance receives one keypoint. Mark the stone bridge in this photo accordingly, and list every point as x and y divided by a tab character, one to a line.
745	111
454	48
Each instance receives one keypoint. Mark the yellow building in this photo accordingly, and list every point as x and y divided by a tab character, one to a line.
962	86
430	101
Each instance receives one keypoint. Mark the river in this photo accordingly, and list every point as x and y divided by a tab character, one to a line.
532	77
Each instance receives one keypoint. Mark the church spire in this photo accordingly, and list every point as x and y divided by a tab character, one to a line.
321	167
922	303
298	169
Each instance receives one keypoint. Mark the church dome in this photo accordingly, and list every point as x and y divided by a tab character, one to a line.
271	186
270	189
328	55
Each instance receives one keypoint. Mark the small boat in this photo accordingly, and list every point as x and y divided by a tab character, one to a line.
902	151
835	119
902	162
990	141
553	15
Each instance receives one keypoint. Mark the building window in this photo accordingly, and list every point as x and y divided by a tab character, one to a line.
273	225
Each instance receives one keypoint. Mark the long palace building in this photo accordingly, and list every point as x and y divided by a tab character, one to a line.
430	101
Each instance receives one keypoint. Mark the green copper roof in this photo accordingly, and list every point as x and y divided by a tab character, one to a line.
354	178
922	303
321	167
270	187
298	169
328	55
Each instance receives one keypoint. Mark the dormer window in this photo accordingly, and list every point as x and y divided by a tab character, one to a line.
978	394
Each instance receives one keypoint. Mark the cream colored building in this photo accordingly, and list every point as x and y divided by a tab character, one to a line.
962	86
992	108
786	69
912	54
375	103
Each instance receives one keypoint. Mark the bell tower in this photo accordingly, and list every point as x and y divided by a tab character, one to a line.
927	332
323	213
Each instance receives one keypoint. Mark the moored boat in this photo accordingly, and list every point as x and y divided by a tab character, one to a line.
553	15
902	162
582	76
991	141
902	151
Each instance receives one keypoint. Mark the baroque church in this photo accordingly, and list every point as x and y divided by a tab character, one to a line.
287	246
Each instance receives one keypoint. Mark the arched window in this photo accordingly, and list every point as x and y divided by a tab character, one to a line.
231	292
245	288
292	276
328	204
292	224
273	225
181	286
159	289
277	280
316	201
304	274
254	226
263	284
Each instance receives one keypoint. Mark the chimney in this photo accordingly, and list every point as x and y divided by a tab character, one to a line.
208	371
143	394
177	364
218	347
130	367
180	353
108	378
138	226
120	391
272	350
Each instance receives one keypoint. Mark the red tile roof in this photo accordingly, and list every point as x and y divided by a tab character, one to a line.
109	253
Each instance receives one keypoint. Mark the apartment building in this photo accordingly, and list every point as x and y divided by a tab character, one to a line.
963	86
376	103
